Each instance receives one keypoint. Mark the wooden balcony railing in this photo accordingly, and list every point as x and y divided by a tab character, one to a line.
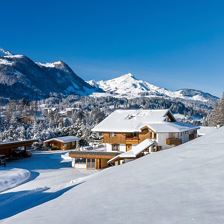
115	140
146	136
173	141
131	141
122	139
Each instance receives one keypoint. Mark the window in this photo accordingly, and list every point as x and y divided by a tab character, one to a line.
115	147
132	135
90	164
154	135
80	160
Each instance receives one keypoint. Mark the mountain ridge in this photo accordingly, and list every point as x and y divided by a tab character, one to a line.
129	86
20	77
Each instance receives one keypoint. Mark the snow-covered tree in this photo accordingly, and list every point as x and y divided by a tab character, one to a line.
216	117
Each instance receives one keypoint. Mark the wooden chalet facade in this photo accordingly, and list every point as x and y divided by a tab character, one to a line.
128	139
91	159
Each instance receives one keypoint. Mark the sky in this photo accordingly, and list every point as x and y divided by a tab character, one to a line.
170	43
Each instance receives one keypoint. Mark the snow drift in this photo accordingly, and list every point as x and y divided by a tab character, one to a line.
12	178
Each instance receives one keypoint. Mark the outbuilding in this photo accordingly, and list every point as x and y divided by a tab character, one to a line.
63	143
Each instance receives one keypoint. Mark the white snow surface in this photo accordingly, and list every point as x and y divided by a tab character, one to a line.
180	185
204	130
10	178
130	87
171	127
50	65
5	62
51	175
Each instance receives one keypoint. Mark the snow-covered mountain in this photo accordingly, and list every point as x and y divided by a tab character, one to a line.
20	77
129	86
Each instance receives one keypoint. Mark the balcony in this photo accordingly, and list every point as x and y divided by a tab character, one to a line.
146	136
115	140
126	139
173	141
131	141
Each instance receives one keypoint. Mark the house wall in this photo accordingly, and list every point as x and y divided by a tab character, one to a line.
99	163
123	148
161	140
108	147
123	139
184	136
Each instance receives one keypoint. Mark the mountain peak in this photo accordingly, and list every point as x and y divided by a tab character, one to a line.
128	75
36	80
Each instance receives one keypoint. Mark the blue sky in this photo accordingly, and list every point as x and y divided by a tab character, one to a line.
173	44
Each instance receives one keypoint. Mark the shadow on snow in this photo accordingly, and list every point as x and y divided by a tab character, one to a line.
13	203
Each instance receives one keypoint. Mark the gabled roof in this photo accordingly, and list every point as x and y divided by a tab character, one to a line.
64	139
131	120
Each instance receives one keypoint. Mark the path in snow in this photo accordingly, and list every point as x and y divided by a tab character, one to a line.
50	177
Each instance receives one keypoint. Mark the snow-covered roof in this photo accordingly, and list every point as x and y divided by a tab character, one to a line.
134	120
65	139
130	120
204	130
135	151
171	127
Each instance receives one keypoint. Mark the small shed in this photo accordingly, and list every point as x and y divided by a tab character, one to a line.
7	148
63	143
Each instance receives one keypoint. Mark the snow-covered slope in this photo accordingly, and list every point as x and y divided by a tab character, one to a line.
20	77
180	185
129	86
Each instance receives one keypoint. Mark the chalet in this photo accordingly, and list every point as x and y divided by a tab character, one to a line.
63	143
134	133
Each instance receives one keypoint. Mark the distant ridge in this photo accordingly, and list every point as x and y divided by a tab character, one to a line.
129	86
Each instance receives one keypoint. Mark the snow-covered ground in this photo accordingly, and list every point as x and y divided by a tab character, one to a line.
50	175
180	185
12	178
